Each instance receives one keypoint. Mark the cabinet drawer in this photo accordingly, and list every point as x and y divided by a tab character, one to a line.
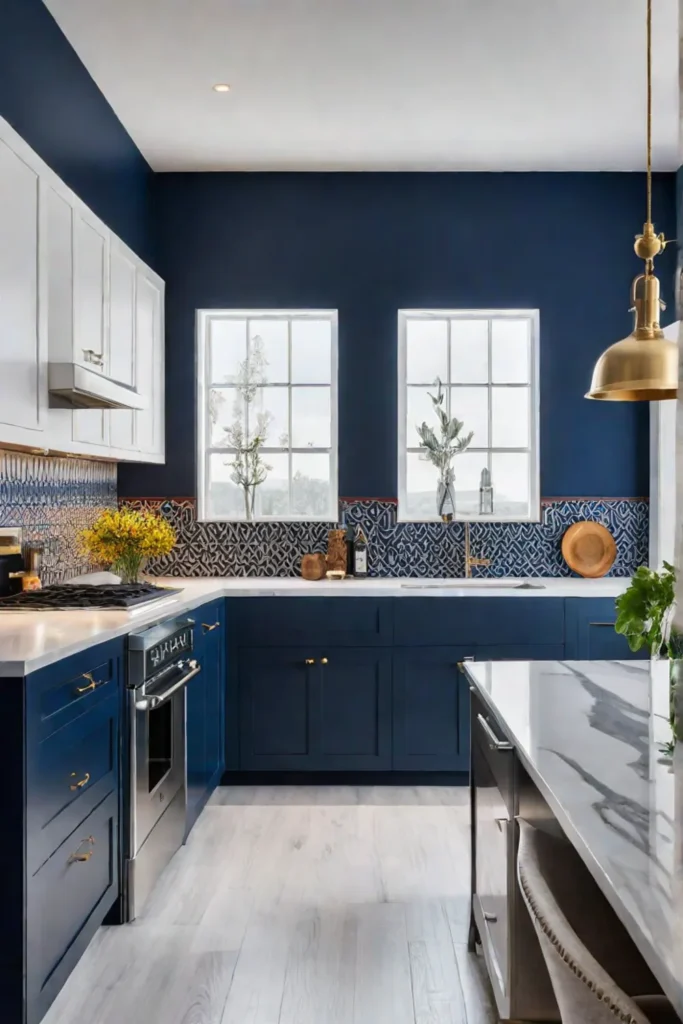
430	621
68	774
333	621
67	900
59	693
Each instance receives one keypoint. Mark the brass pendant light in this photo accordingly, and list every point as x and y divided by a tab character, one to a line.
644	366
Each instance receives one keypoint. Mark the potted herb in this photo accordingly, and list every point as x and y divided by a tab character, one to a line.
441	451
645	617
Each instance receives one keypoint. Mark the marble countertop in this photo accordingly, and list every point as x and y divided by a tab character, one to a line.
32	640
590	736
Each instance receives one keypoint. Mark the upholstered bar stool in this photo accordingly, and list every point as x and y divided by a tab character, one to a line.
597	974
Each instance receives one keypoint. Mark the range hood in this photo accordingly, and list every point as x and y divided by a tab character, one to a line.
77	387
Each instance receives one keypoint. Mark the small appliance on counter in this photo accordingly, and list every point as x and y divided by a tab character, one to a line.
160	667
11	560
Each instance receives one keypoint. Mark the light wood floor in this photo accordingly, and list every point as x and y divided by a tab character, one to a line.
299	905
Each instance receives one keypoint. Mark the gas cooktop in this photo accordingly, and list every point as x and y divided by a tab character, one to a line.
63	596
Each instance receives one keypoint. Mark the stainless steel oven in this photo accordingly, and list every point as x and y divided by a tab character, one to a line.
160	667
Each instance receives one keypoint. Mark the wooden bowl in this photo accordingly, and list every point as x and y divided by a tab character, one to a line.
589	549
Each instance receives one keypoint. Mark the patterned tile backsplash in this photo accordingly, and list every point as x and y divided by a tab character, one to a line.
400	549
52	499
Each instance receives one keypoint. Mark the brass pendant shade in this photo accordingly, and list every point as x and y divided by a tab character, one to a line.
644	366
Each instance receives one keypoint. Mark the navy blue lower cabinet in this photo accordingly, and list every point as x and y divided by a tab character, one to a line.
350	710
275	687
67	898
205	709
590	632
430	710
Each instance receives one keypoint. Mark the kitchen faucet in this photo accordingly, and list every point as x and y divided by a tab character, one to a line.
469	560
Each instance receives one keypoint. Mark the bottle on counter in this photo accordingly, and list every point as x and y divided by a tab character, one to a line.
360	556
350	548
485	493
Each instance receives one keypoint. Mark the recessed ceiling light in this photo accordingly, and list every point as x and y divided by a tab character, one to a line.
221	87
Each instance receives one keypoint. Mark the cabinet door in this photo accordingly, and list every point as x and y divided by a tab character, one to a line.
275	701
122	316
66	902
149	355
430	709
23	383
91	300
351	713
590	631
212	625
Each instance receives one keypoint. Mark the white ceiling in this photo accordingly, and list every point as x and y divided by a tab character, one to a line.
383	84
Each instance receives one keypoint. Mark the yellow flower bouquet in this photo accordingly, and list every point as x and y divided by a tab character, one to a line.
126	538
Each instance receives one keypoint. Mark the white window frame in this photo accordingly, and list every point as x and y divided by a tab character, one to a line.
404	315
204	449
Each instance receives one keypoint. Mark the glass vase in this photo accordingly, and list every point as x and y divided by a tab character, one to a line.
445	496
129	567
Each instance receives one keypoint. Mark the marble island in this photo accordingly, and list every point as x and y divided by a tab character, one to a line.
589	735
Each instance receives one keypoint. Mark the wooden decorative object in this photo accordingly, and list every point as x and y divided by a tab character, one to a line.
313	567
336	550
589	549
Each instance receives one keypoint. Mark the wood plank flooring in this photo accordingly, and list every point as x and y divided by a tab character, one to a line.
299	905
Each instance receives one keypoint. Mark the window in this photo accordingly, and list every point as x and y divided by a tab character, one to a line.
267	414
486	362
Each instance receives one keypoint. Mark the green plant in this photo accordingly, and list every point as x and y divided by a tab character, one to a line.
645	610
441	451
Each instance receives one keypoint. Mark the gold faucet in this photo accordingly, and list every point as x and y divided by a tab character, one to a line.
469	560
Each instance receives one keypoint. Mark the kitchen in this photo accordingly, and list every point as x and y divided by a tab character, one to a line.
244	796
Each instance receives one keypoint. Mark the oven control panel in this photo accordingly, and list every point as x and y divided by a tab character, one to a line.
153	650
168	650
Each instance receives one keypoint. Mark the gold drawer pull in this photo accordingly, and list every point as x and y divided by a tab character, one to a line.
309	661
208	628
79	858
81	782
92	683
324	661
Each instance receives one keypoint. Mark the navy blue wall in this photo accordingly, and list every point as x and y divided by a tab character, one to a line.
370	244
50	99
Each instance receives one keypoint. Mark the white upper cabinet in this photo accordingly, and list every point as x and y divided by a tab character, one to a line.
91	287
122	339
71	292
150	362
23	339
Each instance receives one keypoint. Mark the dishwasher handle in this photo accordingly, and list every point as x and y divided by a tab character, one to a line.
494	742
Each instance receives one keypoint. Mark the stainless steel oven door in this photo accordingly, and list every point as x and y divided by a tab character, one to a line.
157	778
158	770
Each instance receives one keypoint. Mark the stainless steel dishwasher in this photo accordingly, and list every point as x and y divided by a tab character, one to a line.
499	922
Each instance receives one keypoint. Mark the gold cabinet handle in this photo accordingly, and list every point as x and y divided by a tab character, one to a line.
81	782
309	661
208	628
92	684
324	661
78	857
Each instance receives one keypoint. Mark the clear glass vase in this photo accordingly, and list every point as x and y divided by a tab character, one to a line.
445	496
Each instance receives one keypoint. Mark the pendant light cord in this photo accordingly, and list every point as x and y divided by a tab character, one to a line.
649	111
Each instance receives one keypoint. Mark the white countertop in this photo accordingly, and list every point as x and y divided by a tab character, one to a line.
590	736
32	640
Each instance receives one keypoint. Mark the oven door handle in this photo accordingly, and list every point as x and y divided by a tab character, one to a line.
155	700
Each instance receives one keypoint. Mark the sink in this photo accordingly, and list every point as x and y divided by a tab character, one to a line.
474	584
